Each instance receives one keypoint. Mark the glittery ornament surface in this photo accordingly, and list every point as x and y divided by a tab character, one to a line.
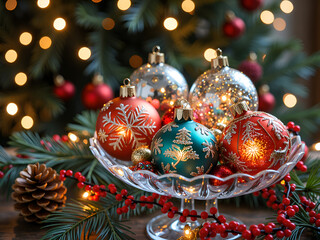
160	81
184	147
221	171
255	141
210	96
141	154
124	124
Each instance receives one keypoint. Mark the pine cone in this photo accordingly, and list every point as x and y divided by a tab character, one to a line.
38	192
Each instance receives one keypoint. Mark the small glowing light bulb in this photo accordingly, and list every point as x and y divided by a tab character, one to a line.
20	78
45	42
59	24
188	6
286	6
267	17
84	53
124	5
43	3
209	54
170	23
12	109
25	38
27	122
317	146
11	56
73	137
85	195
289	100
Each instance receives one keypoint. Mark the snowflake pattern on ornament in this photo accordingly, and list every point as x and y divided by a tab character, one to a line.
230	132
209	148
200	171
106	106
168	127
102	135
136	124
157	144
234	161
250	131
276	126
166	169
203	130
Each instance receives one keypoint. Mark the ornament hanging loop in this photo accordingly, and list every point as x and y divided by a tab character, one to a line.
127	90
156	57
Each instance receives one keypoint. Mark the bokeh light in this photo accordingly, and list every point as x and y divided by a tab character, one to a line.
25	38
170	23
210	54
124	4
267	17
188	6
73	137
59	24
84	53
11	56
286	6
289	100
20	78
135	61
27	122
43	3
12	108
279	24
108	23
317	146
45	42
96	1
11	5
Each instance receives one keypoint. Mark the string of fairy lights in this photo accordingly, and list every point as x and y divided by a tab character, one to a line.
84	53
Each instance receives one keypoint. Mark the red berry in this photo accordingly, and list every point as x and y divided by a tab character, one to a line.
291	212
257	194
112	188
155	195
170	214
318	216
268	228
174	209
242	228
185	212
268	237
96	198
275	206
318	222
124	192
80	184
82	179
246	234
204	215
103	194
256	231
128	202
224	234
119	211
233	225
272	224
1	174
69	173
286	222
163	210
312	205
296	128
150	199
290	125
193	212
182	219
292	226
280	234
56	137
281	218
88	188
287	178
96	188
273	198
222	219
261	226
62	177
118	197
286	201
77	175
312	220
287	233
299	164
272	192
304	168
125	209
64	138
150	206
63	172
312	213
213	210
221	229
203	232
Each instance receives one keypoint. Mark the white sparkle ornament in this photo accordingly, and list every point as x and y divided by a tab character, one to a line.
210	96
159	83
126	123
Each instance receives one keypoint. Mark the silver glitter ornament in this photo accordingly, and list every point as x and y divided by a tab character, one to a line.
159	83
212	93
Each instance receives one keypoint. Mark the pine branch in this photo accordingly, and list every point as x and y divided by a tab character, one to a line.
141	14
88	16
86	121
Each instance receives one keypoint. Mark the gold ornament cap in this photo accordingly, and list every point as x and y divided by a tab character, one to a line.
127	90
97	79
264	89
181	102
239	108
185	113
156	56
220	61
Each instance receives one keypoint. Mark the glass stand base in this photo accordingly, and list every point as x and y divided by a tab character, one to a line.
163	228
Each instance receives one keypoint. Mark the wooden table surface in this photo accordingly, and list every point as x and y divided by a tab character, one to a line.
14	227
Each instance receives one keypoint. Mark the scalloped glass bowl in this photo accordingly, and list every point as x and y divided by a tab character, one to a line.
199	187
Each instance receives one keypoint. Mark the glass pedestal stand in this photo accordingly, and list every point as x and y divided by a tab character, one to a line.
196	188
163	228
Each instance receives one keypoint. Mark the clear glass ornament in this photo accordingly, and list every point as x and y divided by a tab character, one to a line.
214	91
159	83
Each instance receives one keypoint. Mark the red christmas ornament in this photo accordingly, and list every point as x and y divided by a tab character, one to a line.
254	141
251	68
221	171
63	89
251	5
266	99
126	123
146	165
97	93
234	26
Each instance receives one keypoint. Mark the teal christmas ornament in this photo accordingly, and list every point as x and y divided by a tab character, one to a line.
184	147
